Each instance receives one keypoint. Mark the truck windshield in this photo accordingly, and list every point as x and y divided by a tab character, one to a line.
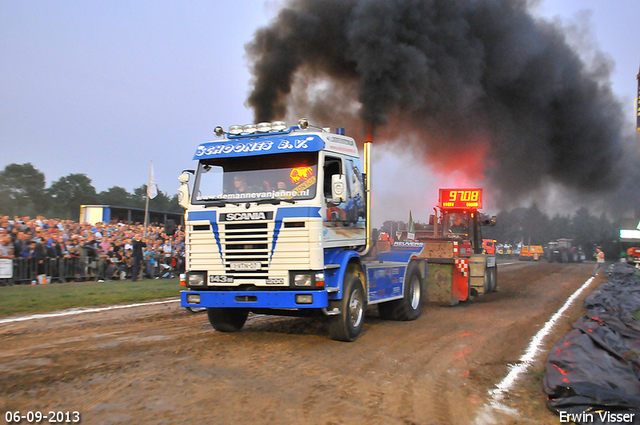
281	177
455	223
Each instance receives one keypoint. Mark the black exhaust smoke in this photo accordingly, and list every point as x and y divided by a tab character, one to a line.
481	86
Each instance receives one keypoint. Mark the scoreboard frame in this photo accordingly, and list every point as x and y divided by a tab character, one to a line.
460	199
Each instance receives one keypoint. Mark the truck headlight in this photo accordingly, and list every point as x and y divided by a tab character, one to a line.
302	279
196	279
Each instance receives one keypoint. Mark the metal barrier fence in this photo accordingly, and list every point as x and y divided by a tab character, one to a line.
27	270
59	270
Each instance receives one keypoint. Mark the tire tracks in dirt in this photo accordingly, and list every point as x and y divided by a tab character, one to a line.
160	364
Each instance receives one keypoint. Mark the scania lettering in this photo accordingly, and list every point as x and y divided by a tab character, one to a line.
278	221
244	216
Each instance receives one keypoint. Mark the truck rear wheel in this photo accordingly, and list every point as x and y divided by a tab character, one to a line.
494	279
227	319
409	307
348	325
487	280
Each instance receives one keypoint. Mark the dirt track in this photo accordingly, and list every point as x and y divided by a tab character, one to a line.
162	365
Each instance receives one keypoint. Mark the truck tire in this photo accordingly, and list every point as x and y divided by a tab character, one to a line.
348	325
227	319
409	307
494	279
487	280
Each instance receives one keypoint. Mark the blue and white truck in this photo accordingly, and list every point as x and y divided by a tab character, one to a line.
278	221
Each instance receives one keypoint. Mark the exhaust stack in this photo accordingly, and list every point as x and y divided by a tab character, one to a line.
368	142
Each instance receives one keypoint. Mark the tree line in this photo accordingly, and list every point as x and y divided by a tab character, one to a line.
532	226
23	193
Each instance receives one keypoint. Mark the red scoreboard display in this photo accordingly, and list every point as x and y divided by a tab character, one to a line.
460	199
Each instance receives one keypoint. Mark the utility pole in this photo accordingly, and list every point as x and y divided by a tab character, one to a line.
638	112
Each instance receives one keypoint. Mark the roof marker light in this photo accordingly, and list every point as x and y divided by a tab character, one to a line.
278	126
235	130
218	131
249	129
264	127
303	123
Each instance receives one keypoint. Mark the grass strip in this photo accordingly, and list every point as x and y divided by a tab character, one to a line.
28	299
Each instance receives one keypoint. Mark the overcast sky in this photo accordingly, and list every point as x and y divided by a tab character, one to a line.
104	87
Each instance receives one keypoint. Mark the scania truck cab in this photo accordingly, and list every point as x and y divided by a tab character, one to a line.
278	222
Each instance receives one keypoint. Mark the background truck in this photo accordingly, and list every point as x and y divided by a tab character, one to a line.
563	251
278	222
531	253
488	246
633	256
459	267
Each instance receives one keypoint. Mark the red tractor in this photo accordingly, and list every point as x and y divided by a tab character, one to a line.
563	251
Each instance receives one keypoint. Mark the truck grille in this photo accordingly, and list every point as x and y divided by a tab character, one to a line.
244	246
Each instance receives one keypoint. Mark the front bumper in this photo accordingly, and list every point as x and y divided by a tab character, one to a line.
257	299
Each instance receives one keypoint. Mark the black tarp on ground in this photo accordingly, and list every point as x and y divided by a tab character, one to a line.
596	367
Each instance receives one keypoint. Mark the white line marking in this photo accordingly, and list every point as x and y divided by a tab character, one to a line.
82	311
498	394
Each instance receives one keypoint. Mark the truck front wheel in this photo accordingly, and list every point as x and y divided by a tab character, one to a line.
227	319
409	307
347	325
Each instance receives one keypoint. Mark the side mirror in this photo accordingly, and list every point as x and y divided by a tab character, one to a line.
338	188
183	196
486	221
183	190
184	177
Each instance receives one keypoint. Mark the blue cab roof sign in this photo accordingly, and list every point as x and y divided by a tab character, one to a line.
273	144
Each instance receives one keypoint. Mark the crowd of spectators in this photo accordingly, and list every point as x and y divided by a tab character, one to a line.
68	250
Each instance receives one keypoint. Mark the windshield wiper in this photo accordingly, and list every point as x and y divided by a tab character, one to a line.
214	202
274	201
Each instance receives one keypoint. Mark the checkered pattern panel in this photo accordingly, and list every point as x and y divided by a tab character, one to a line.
462	266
